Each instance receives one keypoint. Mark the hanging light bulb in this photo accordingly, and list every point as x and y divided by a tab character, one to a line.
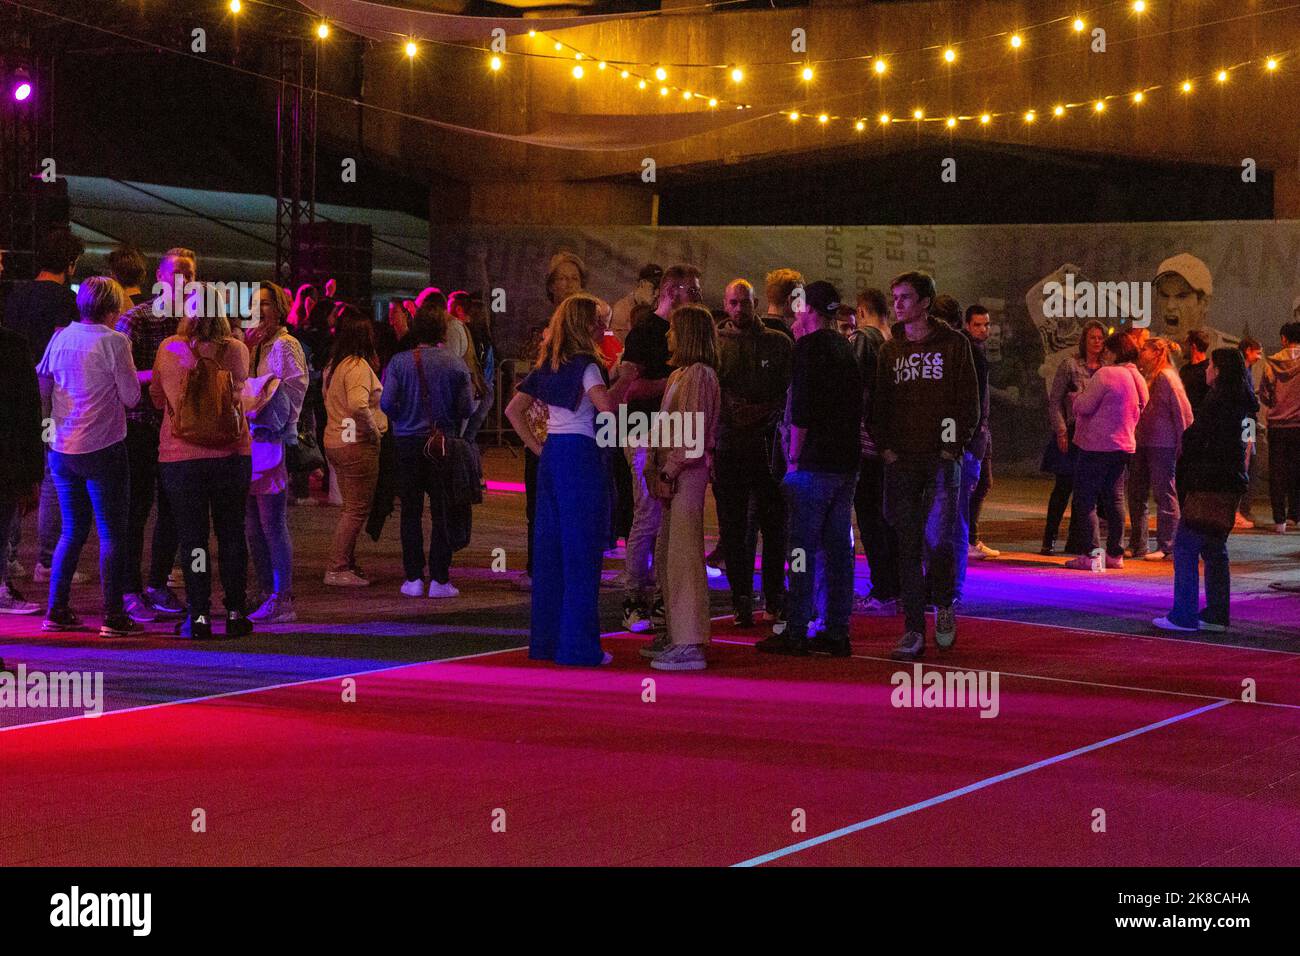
807	74
322	29
661	74
1270	64
952	121
737	74
918	113
880	67
1139	96
1058	110
577	72
1016	41
950	54
1078	24
411	49
823	118
235	6
1099	106
859	126
986	119
884	119
1030	116
495	64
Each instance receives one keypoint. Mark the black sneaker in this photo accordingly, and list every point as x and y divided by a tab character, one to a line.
789	645
119	625
657	613
744	616
945	627
238	625
828	644
164	600
62	619
1048	549
195	628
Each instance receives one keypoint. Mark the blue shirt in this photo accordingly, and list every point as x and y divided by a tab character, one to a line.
413	410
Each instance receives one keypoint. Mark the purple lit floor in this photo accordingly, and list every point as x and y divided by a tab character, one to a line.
1098	712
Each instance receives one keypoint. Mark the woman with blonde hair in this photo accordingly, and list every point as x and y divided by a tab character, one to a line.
273	351
89	379
1159	436
571	526
204	460
679	476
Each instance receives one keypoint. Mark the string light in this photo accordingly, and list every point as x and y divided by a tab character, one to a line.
686	94
918	114
577	72
1222	76
859	126
952	121
663	91
1059	110
1139	6
1030	116
1016	41
235	6
661	74
558	46
1079	24
1270	64
737	74
1138	97
577	56
1099	106
411	49
600	65
950	54
985	118
713	102
880	67
624	75
823	118
807	74
532	33
884	119
641	85
794	116
1187	86
322	29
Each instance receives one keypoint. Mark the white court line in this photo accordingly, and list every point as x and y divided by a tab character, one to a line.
1137	637
971	788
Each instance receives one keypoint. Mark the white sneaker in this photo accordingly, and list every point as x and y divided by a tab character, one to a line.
276	609
1154	556
1167	625
41	575
981	550
680	657
345	579
11	602
1279	528
413	588
447	590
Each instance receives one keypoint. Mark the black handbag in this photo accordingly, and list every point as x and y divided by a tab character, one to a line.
1211	512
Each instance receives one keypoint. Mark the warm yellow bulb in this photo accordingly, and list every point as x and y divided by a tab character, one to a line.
577	72
713	102
794	117
661	74
1187	86
623	75
411	48
881	66
600	65
1222	76
737	74
823	118
687	94
986	119
323	30
641	85
1138	97
532	33
663	91
495	63
918	114
950	54
1059	111
577	56
1099	106
558	46
235	6
952	121
859	126
1271	64
1016	41
1139	6
807	73
884	119
1030	116
1078	25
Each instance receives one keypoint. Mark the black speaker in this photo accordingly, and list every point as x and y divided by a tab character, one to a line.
342	251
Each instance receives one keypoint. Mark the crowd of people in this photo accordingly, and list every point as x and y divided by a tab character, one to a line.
810	412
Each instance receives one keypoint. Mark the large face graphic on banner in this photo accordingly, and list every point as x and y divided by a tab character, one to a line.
1059	332
1179	307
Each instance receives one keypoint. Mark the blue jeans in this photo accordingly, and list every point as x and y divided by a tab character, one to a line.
1099	486
95	485
1189	546
921	505
970	478
570	532
267	530
820	509
1151	472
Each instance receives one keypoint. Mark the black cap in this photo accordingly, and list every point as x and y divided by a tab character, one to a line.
651	273
823	298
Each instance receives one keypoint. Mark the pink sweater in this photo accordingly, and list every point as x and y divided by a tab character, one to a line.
1107	410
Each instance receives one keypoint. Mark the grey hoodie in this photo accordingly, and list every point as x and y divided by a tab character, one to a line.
1279	390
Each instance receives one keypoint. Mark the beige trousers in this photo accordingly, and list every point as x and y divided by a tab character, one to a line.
679	553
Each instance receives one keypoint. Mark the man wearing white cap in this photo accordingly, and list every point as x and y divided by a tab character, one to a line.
1183	288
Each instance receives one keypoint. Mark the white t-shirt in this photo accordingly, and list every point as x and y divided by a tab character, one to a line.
95	382
579	421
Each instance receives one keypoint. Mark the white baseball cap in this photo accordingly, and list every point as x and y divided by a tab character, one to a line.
1192	270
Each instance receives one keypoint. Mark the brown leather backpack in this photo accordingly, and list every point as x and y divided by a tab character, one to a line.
208	414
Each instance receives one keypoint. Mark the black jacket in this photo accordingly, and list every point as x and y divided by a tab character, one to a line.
22	453
1213	456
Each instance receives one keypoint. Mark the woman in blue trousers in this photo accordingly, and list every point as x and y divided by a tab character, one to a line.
571	528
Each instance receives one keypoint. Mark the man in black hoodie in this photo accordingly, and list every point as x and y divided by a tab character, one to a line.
925	413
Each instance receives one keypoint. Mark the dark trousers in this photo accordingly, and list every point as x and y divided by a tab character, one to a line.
1076	538
93	486
977	496
570	532
419	478
146	488
743	475
622	476
921	505
211	495
1284	473
879	542
8	515
530	499
1189	546
1099	487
